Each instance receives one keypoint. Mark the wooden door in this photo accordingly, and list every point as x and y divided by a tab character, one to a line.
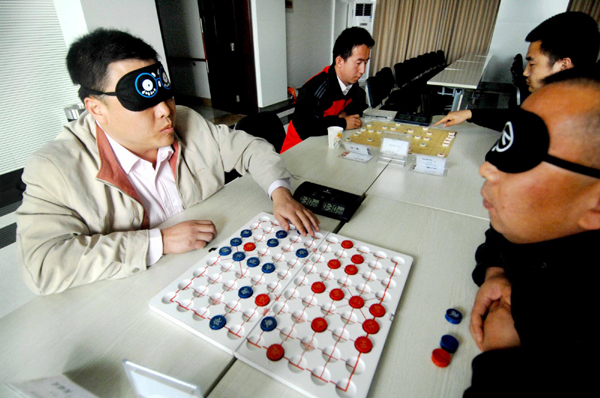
229	55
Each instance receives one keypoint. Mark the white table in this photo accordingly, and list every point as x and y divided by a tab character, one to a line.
316	162
443	245
459	190
85	332
464	73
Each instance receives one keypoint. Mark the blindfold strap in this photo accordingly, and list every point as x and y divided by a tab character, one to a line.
96	92
577	168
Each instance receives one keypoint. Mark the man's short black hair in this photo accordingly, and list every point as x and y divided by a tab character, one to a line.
349	39
568	35
89	56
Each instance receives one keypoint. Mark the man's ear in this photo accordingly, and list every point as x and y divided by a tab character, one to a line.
590	220
96	108
565	63
339	61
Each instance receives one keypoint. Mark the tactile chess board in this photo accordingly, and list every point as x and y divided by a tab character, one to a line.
311	312
425	140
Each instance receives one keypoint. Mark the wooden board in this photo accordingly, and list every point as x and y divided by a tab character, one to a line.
425	140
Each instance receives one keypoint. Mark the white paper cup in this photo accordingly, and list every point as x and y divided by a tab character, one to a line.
335	136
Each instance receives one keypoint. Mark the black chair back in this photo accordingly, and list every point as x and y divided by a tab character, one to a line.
265	125
387	79
375	91
519	81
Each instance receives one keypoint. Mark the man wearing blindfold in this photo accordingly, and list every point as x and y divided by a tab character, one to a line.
538	268
564	41
97	192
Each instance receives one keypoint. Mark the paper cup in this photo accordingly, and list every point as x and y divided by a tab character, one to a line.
335	136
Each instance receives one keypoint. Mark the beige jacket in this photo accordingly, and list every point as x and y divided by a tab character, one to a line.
82	221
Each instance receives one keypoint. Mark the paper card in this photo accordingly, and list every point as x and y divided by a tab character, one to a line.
356	156
149	383
50	387
430	165
357	148
395	147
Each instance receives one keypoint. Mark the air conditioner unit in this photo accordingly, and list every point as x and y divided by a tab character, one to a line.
362	13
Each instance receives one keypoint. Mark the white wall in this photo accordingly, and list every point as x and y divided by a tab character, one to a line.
309	28
269	37
71	18
516	18
138	17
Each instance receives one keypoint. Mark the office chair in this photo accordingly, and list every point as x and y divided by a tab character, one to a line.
265	125
519	81
387	79
401	74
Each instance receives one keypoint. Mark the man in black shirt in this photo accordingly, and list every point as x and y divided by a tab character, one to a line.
559	43
538	268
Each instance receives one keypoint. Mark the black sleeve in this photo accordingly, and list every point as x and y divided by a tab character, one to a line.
488	254
494	119
308	116
521	372
358	104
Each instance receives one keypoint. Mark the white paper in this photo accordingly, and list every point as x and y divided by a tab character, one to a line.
430	165
50	387
357	148
396	147
356	156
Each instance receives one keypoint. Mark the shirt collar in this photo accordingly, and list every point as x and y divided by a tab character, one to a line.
128	160
344	88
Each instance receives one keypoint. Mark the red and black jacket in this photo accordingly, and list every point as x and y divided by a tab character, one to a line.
319	103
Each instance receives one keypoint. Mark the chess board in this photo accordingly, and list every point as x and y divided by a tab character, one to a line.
311	312
424	141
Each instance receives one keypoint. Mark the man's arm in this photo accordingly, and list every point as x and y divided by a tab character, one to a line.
454	118
308	116
358	104
285	209
247	153
57	248
494	284
494	119
353	112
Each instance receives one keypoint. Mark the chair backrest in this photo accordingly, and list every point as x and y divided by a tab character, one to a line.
516	68
387	80
265	125
441	58
374	91
519	81
412	69
400	74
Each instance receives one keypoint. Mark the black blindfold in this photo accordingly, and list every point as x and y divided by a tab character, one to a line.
524	144
142	88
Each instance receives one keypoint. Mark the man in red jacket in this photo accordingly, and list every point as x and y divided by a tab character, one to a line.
333	97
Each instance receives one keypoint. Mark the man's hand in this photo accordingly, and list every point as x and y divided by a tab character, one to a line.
285	209
456	117
496	287
499	328
352	122
188	235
